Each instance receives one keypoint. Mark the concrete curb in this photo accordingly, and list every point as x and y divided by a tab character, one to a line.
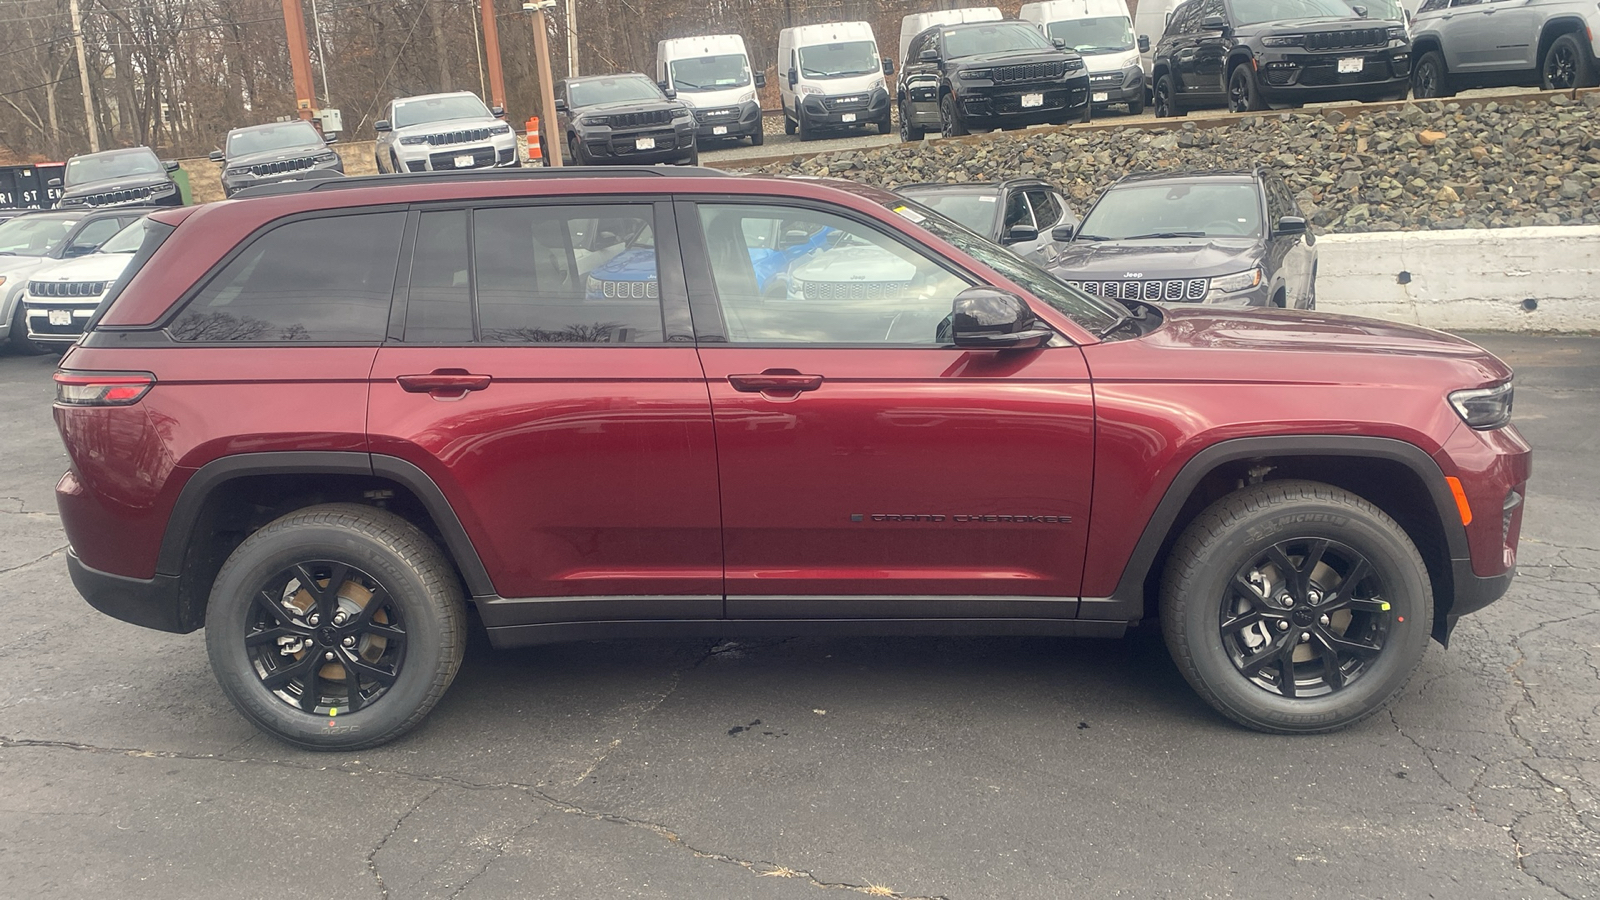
1498	279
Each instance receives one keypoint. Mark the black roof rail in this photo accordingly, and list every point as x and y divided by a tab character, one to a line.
529	172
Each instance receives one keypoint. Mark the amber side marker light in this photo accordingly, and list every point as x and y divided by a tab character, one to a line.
102	388
1461	499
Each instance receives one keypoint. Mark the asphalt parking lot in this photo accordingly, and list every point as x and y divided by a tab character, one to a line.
953	768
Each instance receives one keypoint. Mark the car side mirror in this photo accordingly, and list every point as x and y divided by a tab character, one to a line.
794	77
77	250
561	105
1018	234
986	318
330	139
216	156
171	164
1290	225
929	55
1214	23
1060	43
1359	10
665	85
1144	43
54	182
499	112
672	93
888	67
761	80
1063	233
381	126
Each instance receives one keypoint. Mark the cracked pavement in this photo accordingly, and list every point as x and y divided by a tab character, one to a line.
915	768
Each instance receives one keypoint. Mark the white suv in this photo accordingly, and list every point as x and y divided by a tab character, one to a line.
1459	44
440	132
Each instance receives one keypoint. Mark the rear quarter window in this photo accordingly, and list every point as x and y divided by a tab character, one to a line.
327	280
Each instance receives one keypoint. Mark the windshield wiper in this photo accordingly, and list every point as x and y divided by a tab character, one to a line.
1092	237
1157	235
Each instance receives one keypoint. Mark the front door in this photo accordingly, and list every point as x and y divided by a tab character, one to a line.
869	469
544	377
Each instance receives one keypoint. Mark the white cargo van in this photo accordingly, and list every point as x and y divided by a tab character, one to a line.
914	24
712	75
831	77
1100	31
1149	24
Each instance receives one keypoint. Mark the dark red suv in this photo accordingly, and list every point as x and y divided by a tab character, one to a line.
324	422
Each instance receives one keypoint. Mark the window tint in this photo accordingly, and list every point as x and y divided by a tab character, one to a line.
1047	210
567	274
786	276
1184	18
1017	211
324	279
439	300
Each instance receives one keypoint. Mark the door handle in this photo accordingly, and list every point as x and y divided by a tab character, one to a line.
443	383
777	381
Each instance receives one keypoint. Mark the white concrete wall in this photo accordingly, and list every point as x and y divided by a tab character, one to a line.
1470	280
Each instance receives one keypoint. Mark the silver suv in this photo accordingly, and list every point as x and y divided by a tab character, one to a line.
1459	44
441	132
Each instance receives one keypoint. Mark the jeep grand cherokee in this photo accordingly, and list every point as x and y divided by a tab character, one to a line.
971	447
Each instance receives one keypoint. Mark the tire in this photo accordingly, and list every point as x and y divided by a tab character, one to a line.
1429	79
1166	100
759	136
886	124
909	131
575	155
693	159
1243	95
1567	65
1215	611
377	162
21	344
950	118
1088	113
394	164
1311	290
377	558
1136	105
806	134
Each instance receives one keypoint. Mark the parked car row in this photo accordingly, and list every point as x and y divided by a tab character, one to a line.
34	246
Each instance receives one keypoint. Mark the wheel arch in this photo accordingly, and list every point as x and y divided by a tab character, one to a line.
1555	28
227	499
1240	56
1423	45
1397	477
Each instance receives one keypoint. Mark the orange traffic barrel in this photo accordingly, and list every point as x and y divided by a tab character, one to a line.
535	150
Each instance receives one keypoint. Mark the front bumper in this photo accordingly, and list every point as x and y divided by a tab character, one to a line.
986	107
1121	86
150	603
36	312
845	111
234	182
498	152
673	142
1493	468
733	121
1295	77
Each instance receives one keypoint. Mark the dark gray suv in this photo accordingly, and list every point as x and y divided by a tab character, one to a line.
1224	237
280	151
626	119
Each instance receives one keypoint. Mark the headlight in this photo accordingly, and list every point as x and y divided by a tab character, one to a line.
1074	65
502	128
808	89
327	157
974	74
681	112
594	120
167	188
414	140
1484	408
1238	281
750	97
1283	40
236	173
1397	32
879	86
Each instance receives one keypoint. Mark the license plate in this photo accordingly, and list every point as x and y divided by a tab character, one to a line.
1029	100
719	129
1351	64
644	144
464	162
60	317
847	117
1101	97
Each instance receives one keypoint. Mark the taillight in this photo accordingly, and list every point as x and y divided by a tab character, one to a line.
102	388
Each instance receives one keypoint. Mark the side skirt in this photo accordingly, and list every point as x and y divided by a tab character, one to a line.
508	636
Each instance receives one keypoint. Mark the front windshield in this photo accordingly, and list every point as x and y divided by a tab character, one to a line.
611	90
997	38
709	73
839	60
1101	34
34	235
978	212
101	166
439	109
128	240
1251	12
1094	314
273	137
1183	209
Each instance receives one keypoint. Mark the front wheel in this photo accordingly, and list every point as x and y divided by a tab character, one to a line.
950	124
1242	93
1567	65
1428	77
886	124
759	136
1136	105
575	155
336	627
805	131
693	159
1165	101
1296	607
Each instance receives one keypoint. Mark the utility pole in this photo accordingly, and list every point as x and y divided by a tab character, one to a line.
83	73
322	55
547	94
572	38
305	93
491	49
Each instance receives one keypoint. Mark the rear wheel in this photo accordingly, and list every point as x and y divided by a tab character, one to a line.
909	131
1567	65
1296	607
1428	77
1165	100
336	627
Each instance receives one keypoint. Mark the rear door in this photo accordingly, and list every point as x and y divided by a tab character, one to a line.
541	372
868	468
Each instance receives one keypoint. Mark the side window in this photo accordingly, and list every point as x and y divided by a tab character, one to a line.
93	235
326	279
819	278
439	300
1017	212
567	275
1208	8
1046	208
1184	18
1459	3
1432	5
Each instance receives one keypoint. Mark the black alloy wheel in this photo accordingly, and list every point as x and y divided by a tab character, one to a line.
908	131
950	124
1165	103
1242	94
1428	78
1567	65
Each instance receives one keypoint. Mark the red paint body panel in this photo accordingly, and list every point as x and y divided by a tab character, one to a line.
1489	464
578	471
914	434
